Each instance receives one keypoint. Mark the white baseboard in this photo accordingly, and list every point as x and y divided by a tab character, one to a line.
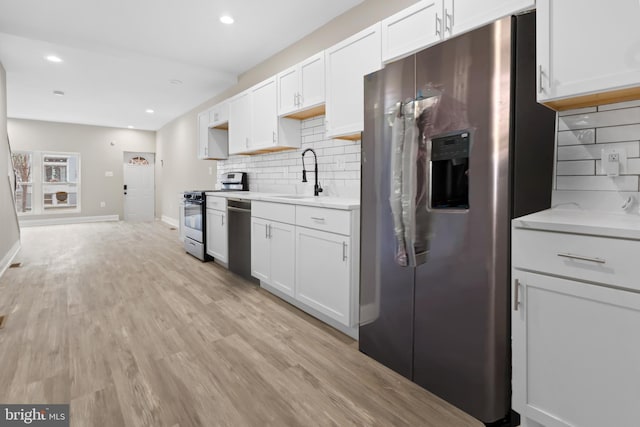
72	220
8	258
171	221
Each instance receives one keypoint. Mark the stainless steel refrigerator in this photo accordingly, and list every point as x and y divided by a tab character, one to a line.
454	146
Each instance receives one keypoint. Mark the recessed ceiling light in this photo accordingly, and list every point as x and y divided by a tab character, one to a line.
58	93
226	19
175	82
149	110
130	127
53	58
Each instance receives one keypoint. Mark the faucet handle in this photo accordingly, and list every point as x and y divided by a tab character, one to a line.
319	187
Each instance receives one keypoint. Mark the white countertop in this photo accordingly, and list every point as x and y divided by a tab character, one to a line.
583	222
292	199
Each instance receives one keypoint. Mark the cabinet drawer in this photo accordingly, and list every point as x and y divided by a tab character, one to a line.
280	212
597	259
217	203
332	220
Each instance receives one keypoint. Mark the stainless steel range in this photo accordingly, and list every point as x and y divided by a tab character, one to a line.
194	209
194	223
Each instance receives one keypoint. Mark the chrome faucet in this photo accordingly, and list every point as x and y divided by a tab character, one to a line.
316	188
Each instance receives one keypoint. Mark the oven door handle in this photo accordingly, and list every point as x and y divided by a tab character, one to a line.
193	202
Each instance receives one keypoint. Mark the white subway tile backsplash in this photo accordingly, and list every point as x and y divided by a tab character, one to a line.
581	136
632	167
594	151
338	164
574	137
577	111
598	183
618	133
623	116
576	167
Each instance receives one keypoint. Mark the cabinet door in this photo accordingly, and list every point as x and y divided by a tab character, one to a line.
288	91
347	64
239	123
282	242
260	253
323	271
464	15
575	353
219	114
586	47
217	242
264	114
203	135
412	29
312	81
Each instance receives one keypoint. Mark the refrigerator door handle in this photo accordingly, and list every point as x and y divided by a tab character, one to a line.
409	181
516	295
398	127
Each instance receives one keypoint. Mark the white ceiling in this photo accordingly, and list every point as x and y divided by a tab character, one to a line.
120	55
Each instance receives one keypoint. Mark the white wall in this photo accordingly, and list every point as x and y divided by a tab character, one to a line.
97	157
177	141
9	229
582	135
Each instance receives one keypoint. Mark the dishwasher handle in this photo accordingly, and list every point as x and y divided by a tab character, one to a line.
234	209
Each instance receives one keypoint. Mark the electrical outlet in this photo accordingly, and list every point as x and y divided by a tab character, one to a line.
103	204
108	173
613	161
210	170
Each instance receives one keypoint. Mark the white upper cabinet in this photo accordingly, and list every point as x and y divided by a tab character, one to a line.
212	142
239	123
587	52
301	88
429	21
411	29
264	115
463	15
219	115
254	126
288	90
346	64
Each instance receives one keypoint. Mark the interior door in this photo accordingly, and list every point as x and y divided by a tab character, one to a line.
139	186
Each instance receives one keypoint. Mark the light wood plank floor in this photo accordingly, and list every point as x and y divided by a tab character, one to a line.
117	320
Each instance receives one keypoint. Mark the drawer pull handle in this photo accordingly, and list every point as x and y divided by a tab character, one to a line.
516	295
315	218
583	258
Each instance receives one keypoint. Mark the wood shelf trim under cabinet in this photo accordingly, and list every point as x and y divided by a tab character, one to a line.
267	150
318	110
352	137
222	126
594	99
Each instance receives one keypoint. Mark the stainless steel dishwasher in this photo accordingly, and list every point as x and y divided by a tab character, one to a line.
239	217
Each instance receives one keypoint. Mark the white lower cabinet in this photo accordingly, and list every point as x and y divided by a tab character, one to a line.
323	272
217	239
576	353
273	254
307	256
575	319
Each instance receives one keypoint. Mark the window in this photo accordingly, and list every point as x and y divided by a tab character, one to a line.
59	181
47	182
24	184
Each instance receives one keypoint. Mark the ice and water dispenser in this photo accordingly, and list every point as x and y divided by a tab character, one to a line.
450	171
